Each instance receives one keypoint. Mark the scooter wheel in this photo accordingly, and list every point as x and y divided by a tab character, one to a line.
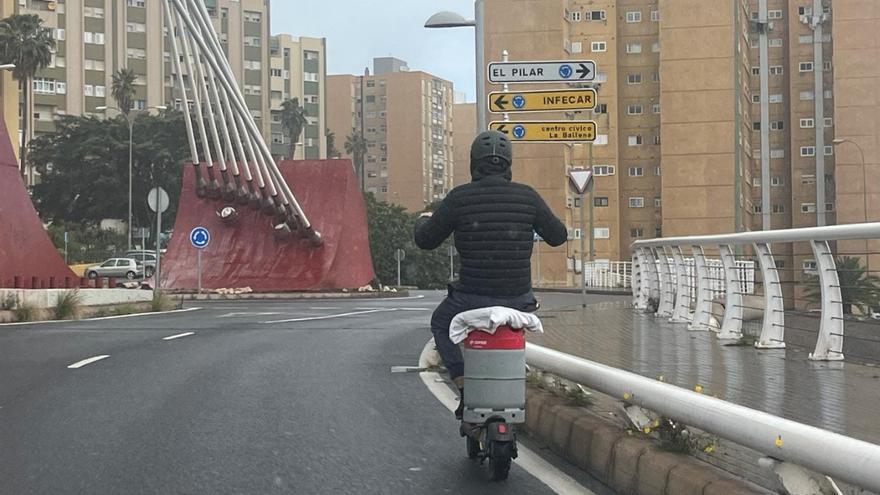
473	448
499	462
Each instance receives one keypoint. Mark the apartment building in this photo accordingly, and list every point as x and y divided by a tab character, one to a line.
9	104
464	130
298	70
406	119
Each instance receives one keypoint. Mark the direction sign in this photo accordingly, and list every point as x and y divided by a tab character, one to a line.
547	131
200	237
542	100
548	71
580	179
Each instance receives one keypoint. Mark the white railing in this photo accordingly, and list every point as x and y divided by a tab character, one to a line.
669	284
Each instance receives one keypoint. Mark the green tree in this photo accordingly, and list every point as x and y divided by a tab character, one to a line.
27	44
332	152
356	148
293	120
123	90
857	286
84	167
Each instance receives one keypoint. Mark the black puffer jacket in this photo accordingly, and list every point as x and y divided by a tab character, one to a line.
493	220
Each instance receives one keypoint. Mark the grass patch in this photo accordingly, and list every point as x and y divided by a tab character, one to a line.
10	302
26	312
161	302
125	309
68	305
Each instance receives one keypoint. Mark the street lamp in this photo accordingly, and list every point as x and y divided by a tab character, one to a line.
839	141
453	20
7	66
130	123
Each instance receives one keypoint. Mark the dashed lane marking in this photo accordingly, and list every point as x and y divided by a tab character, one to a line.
328	317
179	336
86	362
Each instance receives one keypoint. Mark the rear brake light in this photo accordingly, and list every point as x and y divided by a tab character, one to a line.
502	428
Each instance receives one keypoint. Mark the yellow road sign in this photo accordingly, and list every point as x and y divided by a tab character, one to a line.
542	100
547	131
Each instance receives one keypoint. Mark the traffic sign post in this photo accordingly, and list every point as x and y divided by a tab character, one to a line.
581	180
400	255
199	237
549	71
542	100
158	202
547	131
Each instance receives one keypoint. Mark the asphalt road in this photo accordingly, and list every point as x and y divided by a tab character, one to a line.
262	397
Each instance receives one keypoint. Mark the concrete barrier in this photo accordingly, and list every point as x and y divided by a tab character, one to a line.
48	298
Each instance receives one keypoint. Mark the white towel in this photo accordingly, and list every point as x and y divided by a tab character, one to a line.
489	319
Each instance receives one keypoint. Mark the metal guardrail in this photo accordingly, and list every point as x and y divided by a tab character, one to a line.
663	284
830	454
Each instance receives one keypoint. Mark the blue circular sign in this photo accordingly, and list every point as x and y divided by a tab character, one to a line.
565	71
519	131
519	101
200	237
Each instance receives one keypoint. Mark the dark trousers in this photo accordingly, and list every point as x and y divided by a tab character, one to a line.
458	302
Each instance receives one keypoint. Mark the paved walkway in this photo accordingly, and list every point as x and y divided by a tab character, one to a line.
841	397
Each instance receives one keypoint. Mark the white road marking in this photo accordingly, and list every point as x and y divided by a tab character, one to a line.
235	315
548	474
330	308
415	309
85	362
179	336
134	315
327	317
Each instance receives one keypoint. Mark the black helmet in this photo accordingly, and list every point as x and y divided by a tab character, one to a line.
494	146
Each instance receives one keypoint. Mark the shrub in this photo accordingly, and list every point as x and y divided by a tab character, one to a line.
26	312
161	302
68	305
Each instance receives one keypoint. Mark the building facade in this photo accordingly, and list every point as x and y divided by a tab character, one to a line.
9	103
406	119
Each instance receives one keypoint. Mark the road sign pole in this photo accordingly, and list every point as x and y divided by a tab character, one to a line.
583	259
199	262
592	205
538	263
480	55
158	249
398	270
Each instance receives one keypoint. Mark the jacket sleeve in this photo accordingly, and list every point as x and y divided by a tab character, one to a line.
430	232
547	225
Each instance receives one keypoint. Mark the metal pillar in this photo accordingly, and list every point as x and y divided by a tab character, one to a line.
731	324
667	286
819	90
829	346
682	311
480	56
703	309
763	27
773	327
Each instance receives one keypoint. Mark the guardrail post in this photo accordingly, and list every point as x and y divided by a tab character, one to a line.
636	280
703	309
667	286
731	324
829	346
653	278
773	326
682	312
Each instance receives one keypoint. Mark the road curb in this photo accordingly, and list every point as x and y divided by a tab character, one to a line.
594	292
624	462
293	296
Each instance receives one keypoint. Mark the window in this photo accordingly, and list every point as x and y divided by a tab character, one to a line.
574	46
89	90
634	140
776	70
598	46
775	42
253	65
756	182
780	208
655	108
804	10
371	99
657	139
808	151
135	27
655	16
636	171
136	53
777	125
251	41
829	150
601	108
774	14
756	126
277	138
655	77
250	16
96	12
777	153
829	122
829	206
777	181
276	72
807	179
777	98
826	66
601	233
600	202
634	110
61	88
805	67
637	202
633	48
634	16
636	232
99	91
594	15
136	3
634	79
808	207
807	95
574	16
658	202
59	34
756	71
756	98
808	123
44	86
657	171
757	209
603	170
829	94
655	47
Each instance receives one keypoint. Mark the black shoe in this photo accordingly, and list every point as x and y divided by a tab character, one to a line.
459	413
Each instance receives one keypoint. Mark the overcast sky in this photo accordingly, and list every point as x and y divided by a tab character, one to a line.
358	30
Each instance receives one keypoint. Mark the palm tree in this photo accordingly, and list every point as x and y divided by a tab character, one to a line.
857	286
332	152
293	120
356	148
123	89
27	44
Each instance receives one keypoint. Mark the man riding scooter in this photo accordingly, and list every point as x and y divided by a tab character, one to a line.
494	221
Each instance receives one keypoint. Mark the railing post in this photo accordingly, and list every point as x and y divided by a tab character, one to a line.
645	279
682	312
636	280
731	324
667	286
829	346
702	311
654	288
773	327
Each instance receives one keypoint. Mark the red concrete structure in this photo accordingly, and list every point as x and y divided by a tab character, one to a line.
28	259
246	253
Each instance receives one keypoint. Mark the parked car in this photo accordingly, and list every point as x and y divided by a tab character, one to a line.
145	259
116	267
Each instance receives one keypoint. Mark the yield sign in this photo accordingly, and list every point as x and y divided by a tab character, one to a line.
580	179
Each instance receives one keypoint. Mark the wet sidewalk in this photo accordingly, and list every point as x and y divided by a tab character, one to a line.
843	397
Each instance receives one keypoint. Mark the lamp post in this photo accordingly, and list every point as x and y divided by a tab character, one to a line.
839	141
452	20
130	153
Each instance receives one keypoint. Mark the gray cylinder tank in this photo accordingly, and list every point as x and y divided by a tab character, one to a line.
495	376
